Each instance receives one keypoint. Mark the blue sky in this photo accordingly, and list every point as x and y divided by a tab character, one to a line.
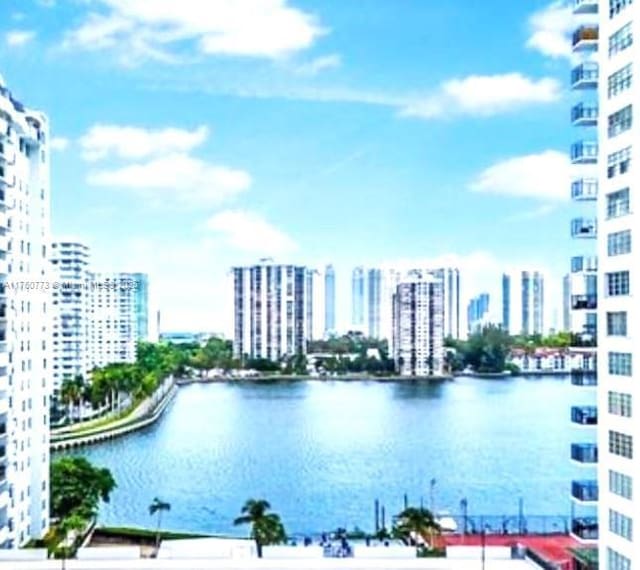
195	135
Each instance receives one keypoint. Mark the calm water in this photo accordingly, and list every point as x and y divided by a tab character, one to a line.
321	452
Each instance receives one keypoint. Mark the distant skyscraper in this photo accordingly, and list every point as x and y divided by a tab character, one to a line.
477	313
532	289
357	298
506	302
273	310
566	303
374	299
329	300
418	331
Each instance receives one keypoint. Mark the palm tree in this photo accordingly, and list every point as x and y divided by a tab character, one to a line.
266	528
414	522
157	506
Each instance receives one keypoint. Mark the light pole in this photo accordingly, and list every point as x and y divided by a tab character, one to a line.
484	544
432	486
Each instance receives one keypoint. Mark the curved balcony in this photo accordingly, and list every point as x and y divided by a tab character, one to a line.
584	453
584	115
585	491
584	189
585	6
584	378
585	76
584	302
585	38
584	415
584	228
585	529
584	152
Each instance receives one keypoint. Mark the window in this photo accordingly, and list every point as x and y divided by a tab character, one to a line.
620	40
620	524
619	81
616	561
615	7
620	404
617	283
620	484
621	444
618	203
619	243
617	324
619	162
620	121
620	363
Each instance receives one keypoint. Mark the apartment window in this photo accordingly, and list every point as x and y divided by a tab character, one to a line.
617	283
619	243
619	162
620	363
620	524
615	7
618	203
621	444
619	81
616	561
620	484
621	39
620	121
620	404
617	323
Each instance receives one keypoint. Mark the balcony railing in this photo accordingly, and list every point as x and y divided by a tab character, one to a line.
585	38
584	452
584	115
585	528
584	378
585	263
584	189
585	491
584	152
585	6
584	228
584	415
584	302
585	76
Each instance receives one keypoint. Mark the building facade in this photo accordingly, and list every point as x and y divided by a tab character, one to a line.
374	302
478	313
532	290
25	322
273	310
358	299
329	301
506	303
418	327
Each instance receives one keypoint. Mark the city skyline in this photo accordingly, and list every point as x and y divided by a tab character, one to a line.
228	164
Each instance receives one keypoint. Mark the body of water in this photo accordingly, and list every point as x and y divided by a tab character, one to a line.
322	452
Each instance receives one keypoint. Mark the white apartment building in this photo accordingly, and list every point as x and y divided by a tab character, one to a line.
618	263
25	322
71	323
273	310
418	326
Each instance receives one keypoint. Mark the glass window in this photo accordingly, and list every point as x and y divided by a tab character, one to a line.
620	484
619	243
620	404
615	7
620	363
620	524
621	444
619	162
620	121
619	81
617	323
621	39
618	203
617	283
616	561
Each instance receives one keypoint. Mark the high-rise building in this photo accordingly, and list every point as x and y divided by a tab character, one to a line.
329	301
273	310
357	298
506	302
418	326
478	313
374	302
25	322
566	303
532	290
71	321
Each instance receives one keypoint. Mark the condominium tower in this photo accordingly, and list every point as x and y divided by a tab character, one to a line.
357	298
532	291
329	301
25	322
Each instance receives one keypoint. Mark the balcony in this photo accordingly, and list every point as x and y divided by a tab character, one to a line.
584	152
584	189
584	228
584	378
585	528
584	415
584	115
581	263
585	76
585	38
584	302
585	6
584	491
584	453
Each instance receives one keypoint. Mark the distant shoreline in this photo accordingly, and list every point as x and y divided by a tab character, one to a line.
305	378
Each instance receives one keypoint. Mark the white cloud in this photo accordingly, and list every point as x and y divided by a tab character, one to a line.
544	176
143	29
104	141
550	30
484	95
322	63
19	38
176	179
250	233
59	143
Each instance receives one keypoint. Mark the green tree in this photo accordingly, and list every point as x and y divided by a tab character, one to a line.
77	487
415	522
266	527
158	507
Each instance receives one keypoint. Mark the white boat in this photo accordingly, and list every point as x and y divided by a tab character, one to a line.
447	522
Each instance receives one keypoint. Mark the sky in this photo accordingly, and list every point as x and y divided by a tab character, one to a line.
193	136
